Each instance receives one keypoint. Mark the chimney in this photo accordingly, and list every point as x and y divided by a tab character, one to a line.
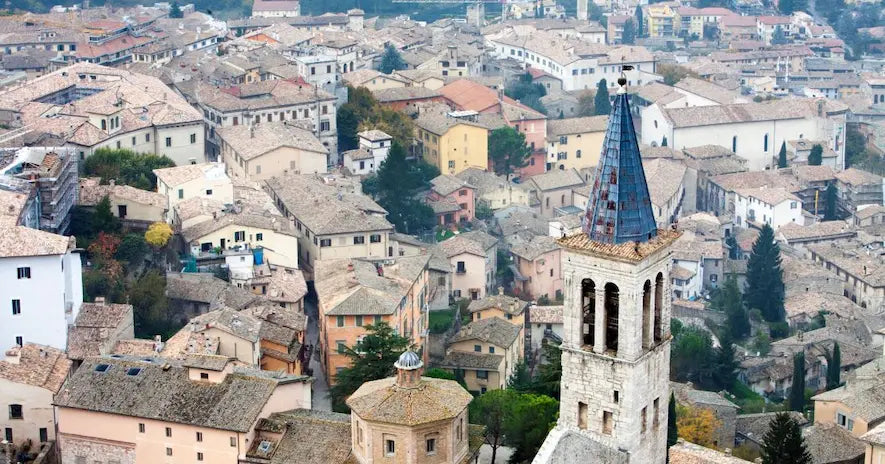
500	290
13	355
112	182
99	300
158	343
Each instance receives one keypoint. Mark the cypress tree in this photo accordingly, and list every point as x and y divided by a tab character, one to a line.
664	141
797	392
782	156
834	367
815	158
783	443
737	316
765	278
601	101
672	429
725	364
830	210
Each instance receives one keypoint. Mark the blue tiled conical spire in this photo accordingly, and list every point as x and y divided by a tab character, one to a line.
619	209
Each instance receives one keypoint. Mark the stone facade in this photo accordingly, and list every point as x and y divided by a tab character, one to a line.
616	393
77	450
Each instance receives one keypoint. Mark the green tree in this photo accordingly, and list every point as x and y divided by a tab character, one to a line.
779	37
692	355
372	358
733	306
726	366
527	92
490	410
734	249
150	306
391	60
103	220
788	7
483	211
765	279
601	103
815	158
797	391
674	73
395	188
664	141
125	167
640	26
783	443
549	377
628	36
526	424
672	428
520	379
782	156
437	373
586	103
831	195
175	11
508	150
132	248
834	367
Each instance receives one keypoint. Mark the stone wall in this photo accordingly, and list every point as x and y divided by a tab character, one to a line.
80	450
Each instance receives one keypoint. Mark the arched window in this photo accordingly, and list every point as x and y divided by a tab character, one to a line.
646	315
611	317
734	144
659	303
765	143
578	154
588	312
562	200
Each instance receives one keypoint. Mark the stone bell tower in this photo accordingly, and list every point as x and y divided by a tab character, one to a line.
616	346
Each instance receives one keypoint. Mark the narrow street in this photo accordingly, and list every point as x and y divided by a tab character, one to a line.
320	387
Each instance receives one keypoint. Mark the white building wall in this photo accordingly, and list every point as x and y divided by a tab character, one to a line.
786	212
55	284
37	411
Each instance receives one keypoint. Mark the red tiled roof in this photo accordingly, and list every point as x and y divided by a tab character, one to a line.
87	50
468	95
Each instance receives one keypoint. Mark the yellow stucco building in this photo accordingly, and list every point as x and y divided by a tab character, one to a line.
575	142
452	144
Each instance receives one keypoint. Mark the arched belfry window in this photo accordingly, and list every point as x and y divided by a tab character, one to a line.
588	312
611	317
659	303
646	314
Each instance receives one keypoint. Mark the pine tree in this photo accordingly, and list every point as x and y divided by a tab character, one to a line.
601	101
797	391
672	428
765	278
628	36
734	250
733	306
782	156
725	365
664	141
831	197
815	158
783	443
391	60
175	11
834	367
639	21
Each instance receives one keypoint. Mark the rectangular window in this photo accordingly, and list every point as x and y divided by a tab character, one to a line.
133	141
147	137
141	427
180	194
359	321
168	141
377	319
8	433
193	138
16	307
482	375
259	237
240	236
44	434
233	442
325	126
656	412
607	422
15	411
325	242
199	456
19	340
375	238
341	346
642	420
168	451
340	321
431	446
359	240
582	415
461	267
168	431
199	436
492	348
204	376
477	348
390	447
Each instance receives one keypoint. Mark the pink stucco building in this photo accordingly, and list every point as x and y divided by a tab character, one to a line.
539	268
452	200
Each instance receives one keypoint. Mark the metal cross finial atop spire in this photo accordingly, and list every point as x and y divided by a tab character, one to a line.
619	209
